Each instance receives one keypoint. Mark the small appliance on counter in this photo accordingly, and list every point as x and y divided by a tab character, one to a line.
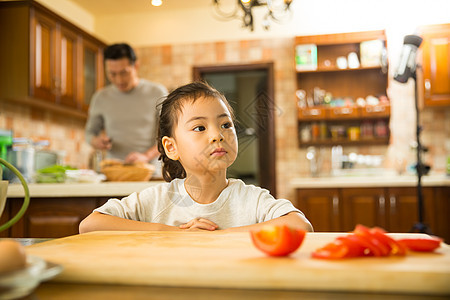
28	156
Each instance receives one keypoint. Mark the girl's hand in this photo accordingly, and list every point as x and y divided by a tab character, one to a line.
200	223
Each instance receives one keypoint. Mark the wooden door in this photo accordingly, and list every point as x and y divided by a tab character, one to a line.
43	57
260	111
322	207
403	208
366	206
436	64
67	67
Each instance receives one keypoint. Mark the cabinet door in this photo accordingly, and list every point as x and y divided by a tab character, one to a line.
321	207
366	206
67	79
403	208
52	217
43	57
442	209
5	217
92	72
436	64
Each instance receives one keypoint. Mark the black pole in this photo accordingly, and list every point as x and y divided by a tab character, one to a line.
419	226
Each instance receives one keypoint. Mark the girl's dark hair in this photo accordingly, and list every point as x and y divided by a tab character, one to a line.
118	51
171	108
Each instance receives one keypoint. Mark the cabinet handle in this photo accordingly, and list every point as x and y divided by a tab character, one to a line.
343	111
335	205
427	87
381	204
311	112
375	109
393	204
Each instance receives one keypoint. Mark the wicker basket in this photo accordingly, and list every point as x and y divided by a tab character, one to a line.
124	172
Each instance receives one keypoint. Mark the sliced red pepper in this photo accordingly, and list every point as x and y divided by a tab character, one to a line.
421	244
278	240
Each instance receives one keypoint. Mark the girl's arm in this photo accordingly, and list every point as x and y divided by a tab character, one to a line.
98	221
292	219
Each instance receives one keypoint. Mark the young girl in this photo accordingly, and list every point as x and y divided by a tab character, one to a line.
197	141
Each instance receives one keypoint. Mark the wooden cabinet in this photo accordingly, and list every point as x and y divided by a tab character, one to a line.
46	61
321	207
435	64
394	209
5	217
52	217
363	206
91	70
327	95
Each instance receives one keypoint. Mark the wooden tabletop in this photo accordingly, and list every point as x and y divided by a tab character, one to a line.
218	260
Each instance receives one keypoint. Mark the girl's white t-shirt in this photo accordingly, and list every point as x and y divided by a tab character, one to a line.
169	203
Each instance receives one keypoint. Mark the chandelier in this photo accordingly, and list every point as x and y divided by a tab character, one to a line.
277	11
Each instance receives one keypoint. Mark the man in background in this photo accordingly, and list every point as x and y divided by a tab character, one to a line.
123	116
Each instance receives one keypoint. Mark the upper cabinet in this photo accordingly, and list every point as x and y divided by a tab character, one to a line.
341	89
436	64
46	61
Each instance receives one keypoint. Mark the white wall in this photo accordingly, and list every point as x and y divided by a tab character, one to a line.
73	13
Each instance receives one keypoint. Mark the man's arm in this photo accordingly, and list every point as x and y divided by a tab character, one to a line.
147	156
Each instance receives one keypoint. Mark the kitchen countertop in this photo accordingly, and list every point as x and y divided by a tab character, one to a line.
103	189
114	189
369	181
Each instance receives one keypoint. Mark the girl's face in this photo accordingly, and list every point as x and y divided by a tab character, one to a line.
204	139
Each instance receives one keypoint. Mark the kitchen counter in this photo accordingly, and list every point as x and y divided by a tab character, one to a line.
103	189
109	189
369	181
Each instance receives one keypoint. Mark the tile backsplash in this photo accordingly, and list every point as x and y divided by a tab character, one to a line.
172	66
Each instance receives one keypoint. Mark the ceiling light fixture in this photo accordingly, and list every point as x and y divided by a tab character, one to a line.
156	2
277	10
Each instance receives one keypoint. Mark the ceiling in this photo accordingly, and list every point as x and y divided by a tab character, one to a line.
110	7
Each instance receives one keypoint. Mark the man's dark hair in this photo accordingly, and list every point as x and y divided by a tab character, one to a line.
118	51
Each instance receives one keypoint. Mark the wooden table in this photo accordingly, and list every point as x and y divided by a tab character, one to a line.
199	263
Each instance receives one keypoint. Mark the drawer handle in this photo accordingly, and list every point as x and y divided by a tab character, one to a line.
343	111
312	112
393	204
375	109
335	205
427	87
381	204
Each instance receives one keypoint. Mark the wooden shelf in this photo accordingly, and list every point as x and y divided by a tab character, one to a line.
335	124
345	141
333	69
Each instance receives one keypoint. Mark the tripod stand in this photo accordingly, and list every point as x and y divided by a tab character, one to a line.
419	226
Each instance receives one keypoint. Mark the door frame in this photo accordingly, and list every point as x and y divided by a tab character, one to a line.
267	138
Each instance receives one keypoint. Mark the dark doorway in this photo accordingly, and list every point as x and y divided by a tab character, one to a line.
249	89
